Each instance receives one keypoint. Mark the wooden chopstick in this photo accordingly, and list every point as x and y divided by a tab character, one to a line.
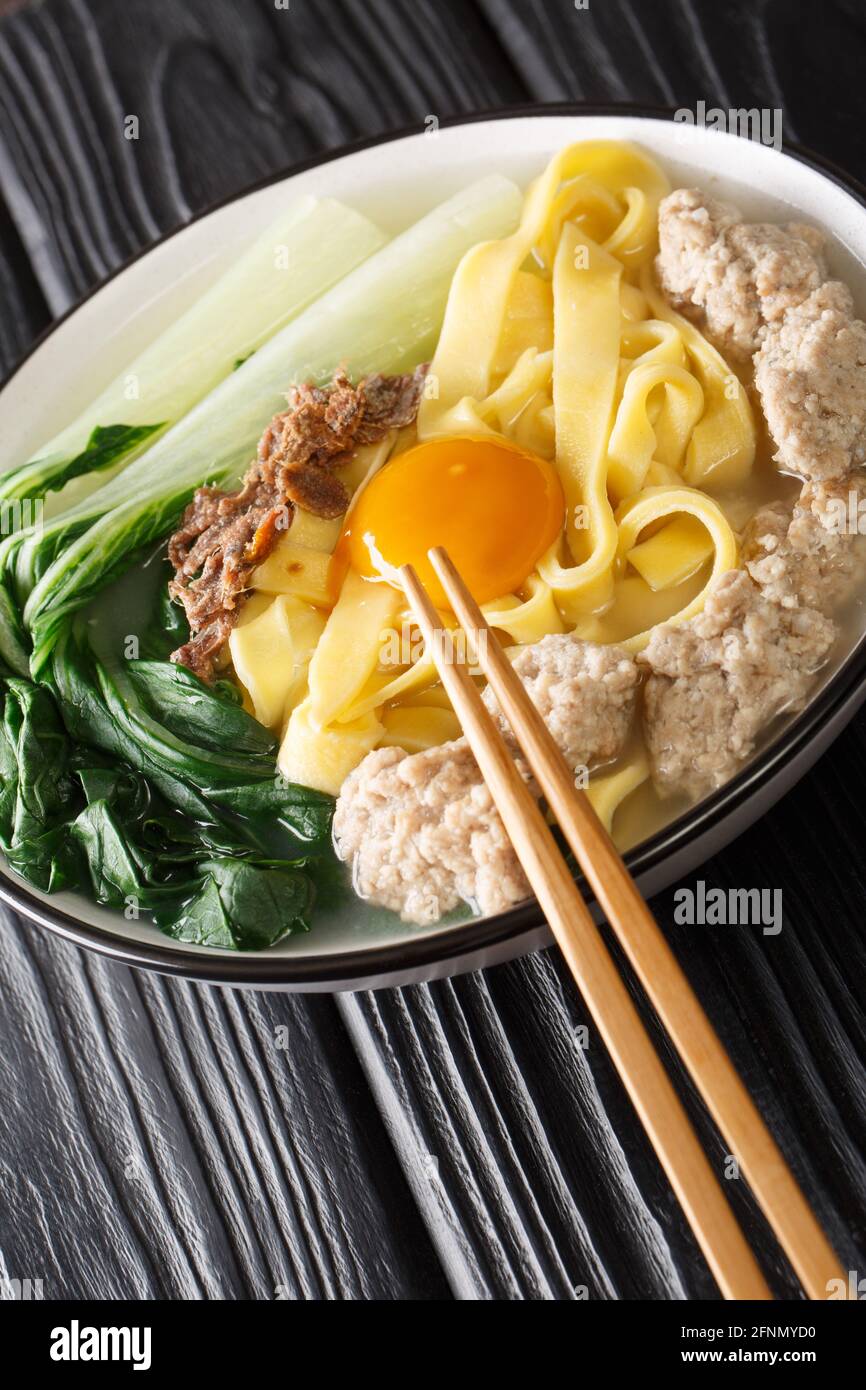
670	993
606	996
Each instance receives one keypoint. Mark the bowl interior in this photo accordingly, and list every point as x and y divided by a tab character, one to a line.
394	183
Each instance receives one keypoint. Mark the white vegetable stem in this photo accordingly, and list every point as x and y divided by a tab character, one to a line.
302	253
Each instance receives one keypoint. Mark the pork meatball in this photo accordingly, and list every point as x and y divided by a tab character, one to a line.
718	680
739	277
421	830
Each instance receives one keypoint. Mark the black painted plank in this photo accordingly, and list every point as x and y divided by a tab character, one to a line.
520	1149
158	1140
510	1151
224	92
24	312
803	58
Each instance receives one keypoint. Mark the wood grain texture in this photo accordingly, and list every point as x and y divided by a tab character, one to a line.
25	312
224	92
741	53
164	1141
456	1139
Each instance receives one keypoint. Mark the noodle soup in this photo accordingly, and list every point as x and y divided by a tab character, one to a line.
598	422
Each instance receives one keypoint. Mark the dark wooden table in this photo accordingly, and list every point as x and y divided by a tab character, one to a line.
433	1142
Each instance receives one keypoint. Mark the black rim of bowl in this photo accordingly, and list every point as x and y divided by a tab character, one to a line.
478	934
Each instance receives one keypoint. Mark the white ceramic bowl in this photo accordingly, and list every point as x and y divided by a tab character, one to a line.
395	180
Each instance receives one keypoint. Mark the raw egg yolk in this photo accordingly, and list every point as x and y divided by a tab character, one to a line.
495	508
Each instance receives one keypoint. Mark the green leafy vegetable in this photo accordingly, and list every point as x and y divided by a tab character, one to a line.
36	739
123	788
199	712
118	870
167	627
70	819
228	691
14	641
106	446
300	810
37	787
202	779
74	579
240	904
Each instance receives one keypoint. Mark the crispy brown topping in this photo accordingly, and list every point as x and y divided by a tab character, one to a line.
223	536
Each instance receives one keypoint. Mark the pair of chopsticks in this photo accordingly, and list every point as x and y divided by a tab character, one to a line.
696	1186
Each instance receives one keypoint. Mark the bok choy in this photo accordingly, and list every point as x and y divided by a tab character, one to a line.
125	797
384	316
300	255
